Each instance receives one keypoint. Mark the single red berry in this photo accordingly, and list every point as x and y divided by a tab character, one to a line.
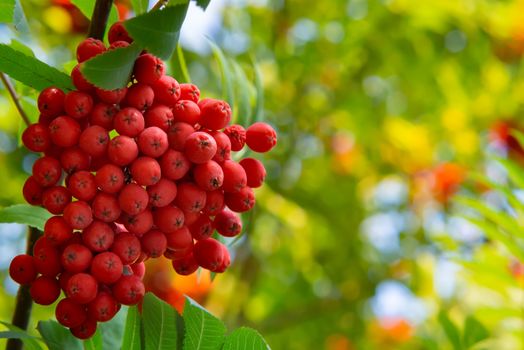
261	137
94	141
110	178
180	242
47	260
36	138
64	131
174	164
154	243
215	114
86	330
63	278
190	198
32	191
186	111
76	258
208	176
209	253
79	81
44	290
190	217
103	308
98	236
47	171
70	314
186	265
22	269
88	48
78	215
51	102
57	230
138	224
237	136
235	177
129	290
82	288
139	269
189	92
122	150
103	115
74	159
55	199
140	96
226	261
145	171
129	122
177	135
111	97
118	32
167	90
202	228
214	202
200	147
160	116
228	224
78	104
118	44
153	142
168	218
127	247
105	207
148	69
240	201
255	172
107	267
133	199
82	185
162	193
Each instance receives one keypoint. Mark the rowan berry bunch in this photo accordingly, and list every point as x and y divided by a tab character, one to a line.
131	174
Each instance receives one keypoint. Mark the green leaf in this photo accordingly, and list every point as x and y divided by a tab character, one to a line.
225	73
7	10
450	329
245	338
18	46
158	30
140	6
112	331
182	64
203	330
514	170
132	333
203	3
159	324
25	214
242	112
112	69
474	332
31	71
30	342
87	6
57	337
258	110
95	342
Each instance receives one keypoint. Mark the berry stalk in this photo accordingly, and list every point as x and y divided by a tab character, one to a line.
99	18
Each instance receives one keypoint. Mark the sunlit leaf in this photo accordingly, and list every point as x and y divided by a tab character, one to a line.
245	338
474	332
133	330
95	342
25	214
7	10
225	73
57	337
140	6
203	330
160	330
451	330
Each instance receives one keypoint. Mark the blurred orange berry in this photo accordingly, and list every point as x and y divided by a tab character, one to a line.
447	178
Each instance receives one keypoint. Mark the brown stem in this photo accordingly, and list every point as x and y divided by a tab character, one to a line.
14	96
97	28
24	302
159	4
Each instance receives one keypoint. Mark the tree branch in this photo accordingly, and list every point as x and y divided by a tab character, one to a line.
97	28
24	302
159	4
14	96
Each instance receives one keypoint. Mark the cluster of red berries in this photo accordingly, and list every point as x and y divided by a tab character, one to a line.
148	172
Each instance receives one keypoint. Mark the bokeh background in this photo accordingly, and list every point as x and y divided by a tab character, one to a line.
383	109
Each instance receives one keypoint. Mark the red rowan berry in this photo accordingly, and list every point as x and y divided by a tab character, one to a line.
168	218
261	137
78	215
63	278
103	308
174	165
98	236
240	201
107	267
22	269
190	198
209	253
186	111
133	199
237	136
79	81
200	147
129	122
148	69
55	199
235	177
105	207
82	288
190	217
86	330
202	228
36	138
215	114
180	242
102	115
129	290
47	171
208	176
32	191
47	261
214	202
94	141
227	223
70	314
226	261
154	243
111	96
118	44
88	48
118	32
186	265
44	290
145	171
78	104
255	172
160	116
127	247
167	90
153	142
74	159
57	230
162	193
82	185
122	150
189	92
138	224
76	258
64	131
139	269
140	96
177	135
51	102
110	178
